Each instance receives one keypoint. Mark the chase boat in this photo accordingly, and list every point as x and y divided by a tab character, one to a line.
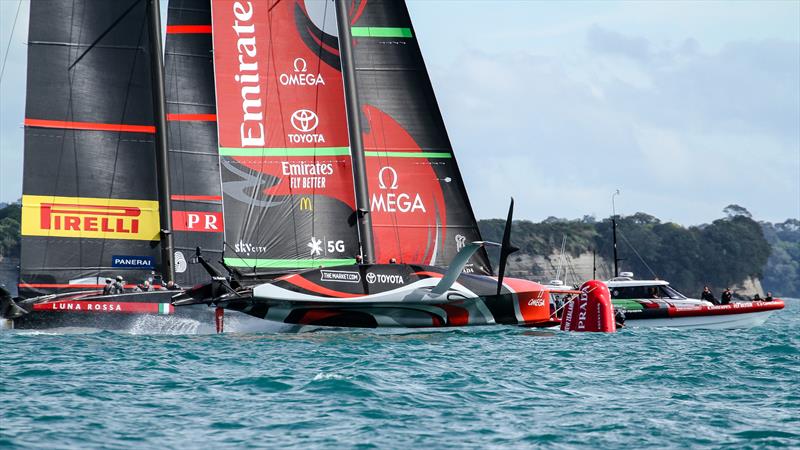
654	303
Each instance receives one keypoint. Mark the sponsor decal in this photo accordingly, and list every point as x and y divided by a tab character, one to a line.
106	307
306	204
306	175
319	246
300	75
383	278
180	262
305	121
536	302
133	262
341	276
251	128
389	199
84	217
461	242
246	248
201	221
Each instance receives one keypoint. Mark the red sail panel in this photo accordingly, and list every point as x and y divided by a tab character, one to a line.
419	205
284	149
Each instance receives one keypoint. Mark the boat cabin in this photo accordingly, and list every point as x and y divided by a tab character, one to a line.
625	287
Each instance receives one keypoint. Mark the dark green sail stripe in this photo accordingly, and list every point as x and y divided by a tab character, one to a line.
381	32
411	154
287	263
312	151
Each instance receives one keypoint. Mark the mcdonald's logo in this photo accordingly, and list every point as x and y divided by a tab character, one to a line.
305	204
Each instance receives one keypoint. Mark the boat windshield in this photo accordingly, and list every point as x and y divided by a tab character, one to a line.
639	292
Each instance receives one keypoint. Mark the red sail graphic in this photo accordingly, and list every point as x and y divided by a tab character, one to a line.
420	208
284	148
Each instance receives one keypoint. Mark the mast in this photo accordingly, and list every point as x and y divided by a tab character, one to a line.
162	154
354	128
614	233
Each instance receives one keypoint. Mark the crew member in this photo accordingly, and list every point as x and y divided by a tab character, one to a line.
359	259
756	298
727	296
119	286
172	286
108	288
146	286
708	296
392	261
768	298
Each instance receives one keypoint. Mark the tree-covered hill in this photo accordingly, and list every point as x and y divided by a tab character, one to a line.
723	253
10	218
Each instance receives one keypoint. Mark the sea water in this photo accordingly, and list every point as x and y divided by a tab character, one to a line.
160	386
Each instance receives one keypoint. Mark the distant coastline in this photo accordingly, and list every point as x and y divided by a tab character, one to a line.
734	251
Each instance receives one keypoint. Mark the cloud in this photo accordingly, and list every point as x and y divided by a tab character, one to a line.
601	40
683	131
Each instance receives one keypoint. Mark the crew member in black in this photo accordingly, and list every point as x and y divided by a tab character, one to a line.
756	298
108	288
768	298
708	296
727	296
392	261
172	286
359	259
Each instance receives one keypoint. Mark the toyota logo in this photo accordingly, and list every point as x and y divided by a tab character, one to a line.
371	278
304	120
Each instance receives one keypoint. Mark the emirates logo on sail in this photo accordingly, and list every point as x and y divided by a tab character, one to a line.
251	130
89	218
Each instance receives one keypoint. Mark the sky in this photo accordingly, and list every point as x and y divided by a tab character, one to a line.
685	107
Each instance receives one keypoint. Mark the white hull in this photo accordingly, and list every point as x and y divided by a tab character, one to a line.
711	322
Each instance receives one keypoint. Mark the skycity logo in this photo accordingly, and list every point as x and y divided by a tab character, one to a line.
80	217
394	202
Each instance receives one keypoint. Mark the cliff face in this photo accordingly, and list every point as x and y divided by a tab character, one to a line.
577	269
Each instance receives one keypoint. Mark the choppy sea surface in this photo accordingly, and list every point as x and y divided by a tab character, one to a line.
162	386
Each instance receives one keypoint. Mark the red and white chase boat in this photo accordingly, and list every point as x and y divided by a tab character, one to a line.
654	303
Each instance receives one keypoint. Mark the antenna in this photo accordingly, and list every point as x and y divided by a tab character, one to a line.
614	231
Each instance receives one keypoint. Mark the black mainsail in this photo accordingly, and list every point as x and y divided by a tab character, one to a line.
89	202
192	122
